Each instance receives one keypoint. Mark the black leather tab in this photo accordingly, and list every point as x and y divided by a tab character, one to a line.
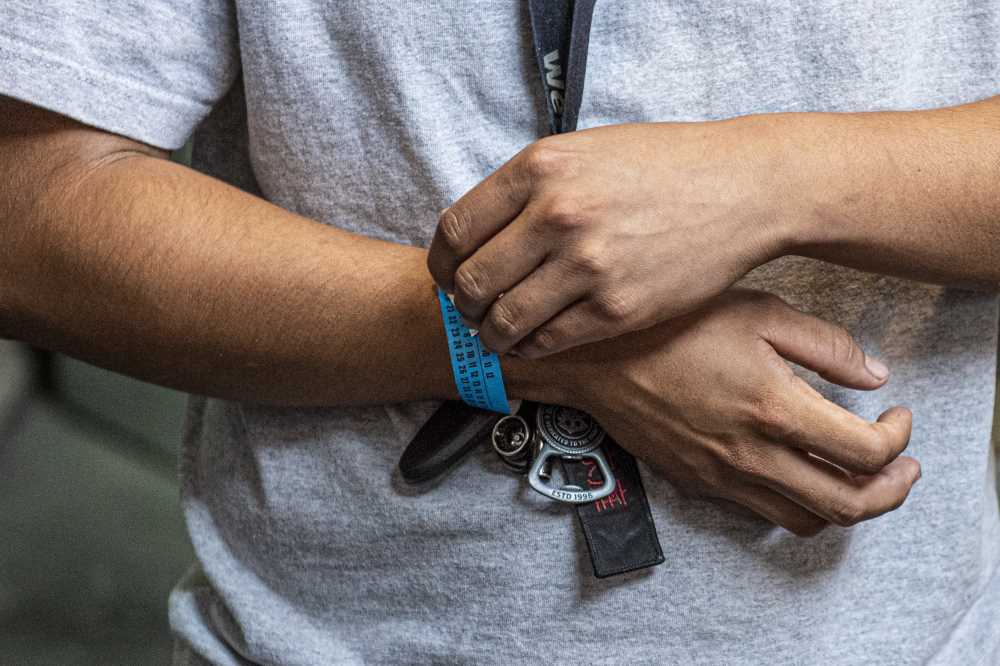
451	432
619	529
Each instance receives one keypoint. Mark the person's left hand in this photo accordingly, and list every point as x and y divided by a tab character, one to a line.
584	236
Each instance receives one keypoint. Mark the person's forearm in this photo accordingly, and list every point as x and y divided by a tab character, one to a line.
910	194
149	268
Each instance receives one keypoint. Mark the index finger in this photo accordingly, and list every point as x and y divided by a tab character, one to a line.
835	496
474	219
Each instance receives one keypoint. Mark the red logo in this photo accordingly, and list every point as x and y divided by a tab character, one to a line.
594	480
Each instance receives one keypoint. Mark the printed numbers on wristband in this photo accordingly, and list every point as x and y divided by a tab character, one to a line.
477	373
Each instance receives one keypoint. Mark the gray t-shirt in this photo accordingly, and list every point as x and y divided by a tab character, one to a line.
373	115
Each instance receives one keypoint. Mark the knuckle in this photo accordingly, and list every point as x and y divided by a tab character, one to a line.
565	215
714	473
767	300
898	500
613	307
454	225
470	283
544	340
841	346
848	512
883	453
894	442
510	187
771	418
868	462
504	319
551	157
766	313
542	160
587	260
876	454
765	303
745	458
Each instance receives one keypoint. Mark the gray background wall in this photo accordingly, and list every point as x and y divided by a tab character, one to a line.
91	537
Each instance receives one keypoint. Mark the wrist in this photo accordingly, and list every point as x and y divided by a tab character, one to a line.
523	379
823	178
796	187
539	380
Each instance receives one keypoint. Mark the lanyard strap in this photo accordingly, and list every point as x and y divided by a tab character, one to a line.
561	33
619	529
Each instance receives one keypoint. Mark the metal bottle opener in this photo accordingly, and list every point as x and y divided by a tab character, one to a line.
560	432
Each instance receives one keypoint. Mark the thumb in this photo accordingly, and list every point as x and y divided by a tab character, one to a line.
825	348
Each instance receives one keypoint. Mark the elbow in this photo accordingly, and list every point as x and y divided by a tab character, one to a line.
47	164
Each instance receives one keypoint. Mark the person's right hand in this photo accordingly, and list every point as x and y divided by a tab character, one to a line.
710	401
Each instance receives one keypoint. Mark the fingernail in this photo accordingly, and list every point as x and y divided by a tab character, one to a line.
877	368
514	353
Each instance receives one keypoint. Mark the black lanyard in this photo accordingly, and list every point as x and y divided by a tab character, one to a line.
561	33
619	530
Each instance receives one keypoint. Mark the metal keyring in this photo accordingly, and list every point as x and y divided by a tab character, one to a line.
512	440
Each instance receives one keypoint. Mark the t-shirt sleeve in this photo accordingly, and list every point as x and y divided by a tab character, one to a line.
150	70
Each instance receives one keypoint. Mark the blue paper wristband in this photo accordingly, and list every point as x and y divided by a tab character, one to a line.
477	374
